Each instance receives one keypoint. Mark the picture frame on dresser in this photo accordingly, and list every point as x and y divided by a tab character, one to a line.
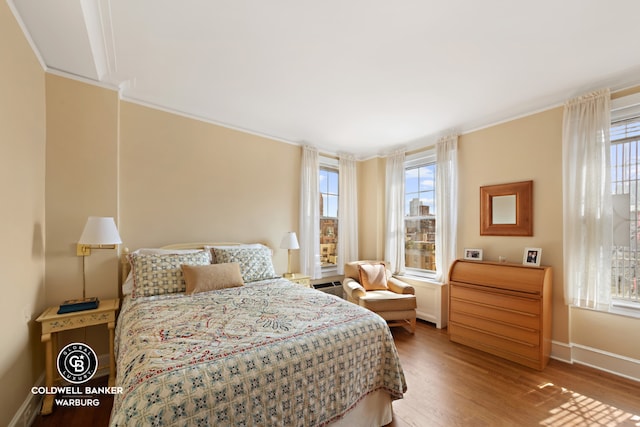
532	256
473	254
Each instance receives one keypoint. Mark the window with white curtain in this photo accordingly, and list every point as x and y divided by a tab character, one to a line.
329	196
625	177
420	214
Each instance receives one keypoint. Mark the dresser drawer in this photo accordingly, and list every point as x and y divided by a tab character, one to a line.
495	344
495	299
512	331
493	313
503	276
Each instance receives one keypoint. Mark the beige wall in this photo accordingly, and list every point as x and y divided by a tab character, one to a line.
22	165
371	208
82	181
184	180
529	148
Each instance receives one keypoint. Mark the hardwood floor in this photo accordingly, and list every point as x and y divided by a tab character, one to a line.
453	385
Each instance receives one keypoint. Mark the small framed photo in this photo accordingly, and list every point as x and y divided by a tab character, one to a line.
473	254
532	256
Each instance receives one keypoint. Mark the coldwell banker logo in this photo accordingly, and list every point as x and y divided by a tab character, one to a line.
77	363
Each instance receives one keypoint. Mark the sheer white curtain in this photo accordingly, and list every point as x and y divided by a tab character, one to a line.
587	216
394	233
310	213
347	211
446	204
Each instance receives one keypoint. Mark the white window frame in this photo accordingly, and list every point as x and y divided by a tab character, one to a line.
624	108
329	163
422	158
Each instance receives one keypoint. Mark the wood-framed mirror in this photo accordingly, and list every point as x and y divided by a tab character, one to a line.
507	209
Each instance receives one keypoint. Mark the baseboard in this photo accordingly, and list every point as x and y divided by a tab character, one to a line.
30	408
613	363
616	364
561	351
427	317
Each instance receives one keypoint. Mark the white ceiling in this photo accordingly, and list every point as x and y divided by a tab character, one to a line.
360	76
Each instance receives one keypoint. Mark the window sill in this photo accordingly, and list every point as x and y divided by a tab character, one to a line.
625	308
618	308
329	271
418	279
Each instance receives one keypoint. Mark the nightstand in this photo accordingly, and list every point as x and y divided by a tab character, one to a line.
300	279
52	323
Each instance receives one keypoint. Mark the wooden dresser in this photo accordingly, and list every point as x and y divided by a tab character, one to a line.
503	309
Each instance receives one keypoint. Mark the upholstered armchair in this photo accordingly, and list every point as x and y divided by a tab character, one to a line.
370	285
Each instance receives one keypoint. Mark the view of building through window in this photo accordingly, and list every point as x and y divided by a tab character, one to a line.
328	217
625	173
420	218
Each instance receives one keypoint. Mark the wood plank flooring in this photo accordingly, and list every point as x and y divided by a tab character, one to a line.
453	385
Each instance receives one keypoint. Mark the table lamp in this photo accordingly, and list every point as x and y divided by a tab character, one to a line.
289	242
98	233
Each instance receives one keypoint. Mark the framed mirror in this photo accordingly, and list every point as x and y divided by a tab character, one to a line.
507	209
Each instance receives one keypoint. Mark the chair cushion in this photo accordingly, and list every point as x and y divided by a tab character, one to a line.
373	277
351	268
378	301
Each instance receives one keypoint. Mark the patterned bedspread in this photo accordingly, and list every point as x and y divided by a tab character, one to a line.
268	353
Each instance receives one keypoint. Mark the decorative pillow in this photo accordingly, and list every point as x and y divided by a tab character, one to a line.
212	277
255	262
158	274
127	286
239	245
373	277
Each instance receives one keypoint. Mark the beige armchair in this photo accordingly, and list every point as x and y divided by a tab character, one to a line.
370	285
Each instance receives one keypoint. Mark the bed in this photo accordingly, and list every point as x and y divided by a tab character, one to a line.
258	351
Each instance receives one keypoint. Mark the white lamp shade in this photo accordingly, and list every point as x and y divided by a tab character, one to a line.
289	241
100	231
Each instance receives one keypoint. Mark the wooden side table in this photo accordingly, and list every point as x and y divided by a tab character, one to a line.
300	279
52	323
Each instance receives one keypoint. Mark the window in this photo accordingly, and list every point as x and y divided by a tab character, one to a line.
420	214
328	216
625	175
